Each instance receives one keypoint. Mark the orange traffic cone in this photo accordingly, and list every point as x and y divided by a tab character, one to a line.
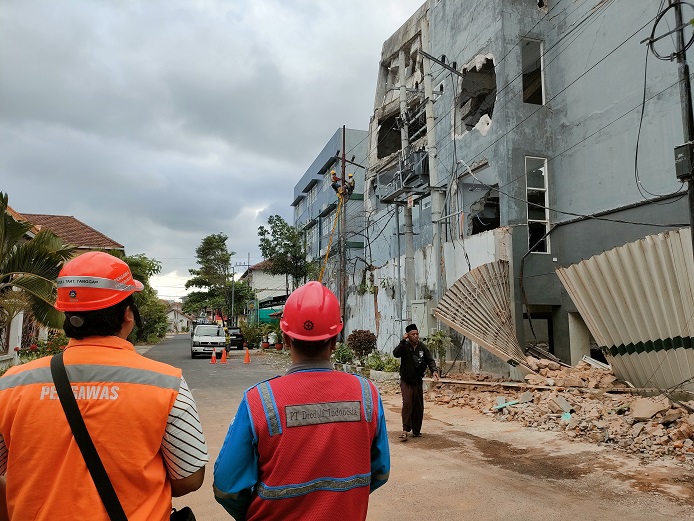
224	357
213	358
247	358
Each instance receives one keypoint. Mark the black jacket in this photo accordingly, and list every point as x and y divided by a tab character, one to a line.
414	361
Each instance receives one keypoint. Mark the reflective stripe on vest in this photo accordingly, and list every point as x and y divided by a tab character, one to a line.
271	413
332	484
93	373
367	399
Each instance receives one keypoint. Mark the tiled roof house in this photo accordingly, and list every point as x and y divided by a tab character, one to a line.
73	232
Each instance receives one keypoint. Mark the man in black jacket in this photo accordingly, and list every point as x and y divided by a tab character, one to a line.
414	360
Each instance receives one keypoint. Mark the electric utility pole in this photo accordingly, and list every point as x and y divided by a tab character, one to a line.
343	231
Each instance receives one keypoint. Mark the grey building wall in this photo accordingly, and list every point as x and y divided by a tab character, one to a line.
592	65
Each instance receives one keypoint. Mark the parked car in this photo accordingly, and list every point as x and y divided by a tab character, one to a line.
208	339
235	337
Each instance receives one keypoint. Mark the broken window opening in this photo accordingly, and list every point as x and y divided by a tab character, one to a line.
388	137
417	122
531	56
477	96
537	204
485	214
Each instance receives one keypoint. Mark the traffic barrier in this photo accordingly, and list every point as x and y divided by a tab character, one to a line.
247	358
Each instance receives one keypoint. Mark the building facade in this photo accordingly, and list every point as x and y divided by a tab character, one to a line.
519	133
316	206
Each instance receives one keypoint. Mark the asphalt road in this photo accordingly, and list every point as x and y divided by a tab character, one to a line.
465	467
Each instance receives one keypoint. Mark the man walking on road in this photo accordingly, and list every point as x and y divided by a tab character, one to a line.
310	445
414	360
139	413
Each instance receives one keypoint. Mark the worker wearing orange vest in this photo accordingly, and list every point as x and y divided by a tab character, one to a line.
140	414
310	445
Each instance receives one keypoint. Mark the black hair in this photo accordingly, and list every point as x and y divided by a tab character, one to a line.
311	347
100	322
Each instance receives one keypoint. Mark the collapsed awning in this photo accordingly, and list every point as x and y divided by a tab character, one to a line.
478	306
637	300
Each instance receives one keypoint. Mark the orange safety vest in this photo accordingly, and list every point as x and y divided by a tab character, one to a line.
331	417
125	400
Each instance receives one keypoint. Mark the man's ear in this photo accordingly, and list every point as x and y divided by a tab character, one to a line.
333	344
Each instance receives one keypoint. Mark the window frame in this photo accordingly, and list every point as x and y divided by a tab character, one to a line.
540	190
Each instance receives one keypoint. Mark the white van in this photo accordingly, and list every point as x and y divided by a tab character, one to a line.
208	339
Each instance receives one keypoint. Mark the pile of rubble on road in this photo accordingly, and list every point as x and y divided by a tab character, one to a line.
584	402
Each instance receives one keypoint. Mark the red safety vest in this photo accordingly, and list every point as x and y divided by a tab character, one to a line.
314	431
125	400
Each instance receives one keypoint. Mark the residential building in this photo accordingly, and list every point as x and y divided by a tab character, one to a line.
176	320
505	139
270	291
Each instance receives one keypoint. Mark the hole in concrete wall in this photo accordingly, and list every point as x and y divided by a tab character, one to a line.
388	137
477	96
484	214
417	121
531	55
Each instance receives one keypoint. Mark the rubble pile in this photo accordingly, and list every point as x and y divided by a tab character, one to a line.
578	402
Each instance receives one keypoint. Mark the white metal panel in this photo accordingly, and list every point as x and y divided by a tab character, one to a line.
640	293
478	306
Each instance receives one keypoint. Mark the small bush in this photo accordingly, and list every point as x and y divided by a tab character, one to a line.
375	361
390	363
362	342
343	354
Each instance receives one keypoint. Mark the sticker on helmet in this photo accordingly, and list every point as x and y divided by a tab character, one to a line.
73	293
308	325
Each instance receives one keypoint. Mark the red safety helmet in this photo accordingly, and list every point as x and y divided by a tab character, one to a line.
94	280
311	312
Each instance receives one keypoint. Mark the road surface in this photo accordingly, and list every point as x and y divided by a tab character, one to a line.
465	467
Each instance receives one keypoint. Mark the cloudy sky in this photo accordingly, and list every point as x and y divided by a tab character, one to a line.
159	122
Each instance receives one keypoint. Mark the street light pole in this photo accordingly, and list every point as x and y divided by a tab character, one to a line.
233	285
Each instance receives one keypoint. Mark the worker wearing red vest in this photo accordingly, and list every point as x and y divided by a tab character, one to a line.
139	413
310	445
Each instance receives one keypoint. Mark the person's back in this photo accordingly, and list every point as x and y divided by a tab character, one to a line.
134	409
309	445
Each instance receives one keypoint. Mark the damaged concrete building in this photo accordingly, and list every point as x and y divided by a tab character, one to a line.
510	139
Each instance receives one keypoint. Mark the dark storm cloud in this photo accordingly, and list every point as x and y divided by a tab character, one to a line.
161	122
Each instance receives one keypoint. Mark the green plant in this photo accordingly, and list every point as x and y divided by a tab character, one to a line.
390	363
375	361
362	342
251	334
440	342
343	354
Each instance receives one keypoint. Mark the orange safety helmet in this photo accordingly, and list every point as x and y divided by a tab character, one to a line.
311	312
94	280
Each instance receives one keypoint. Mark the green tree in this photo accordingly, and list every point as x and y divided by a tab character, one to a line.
213	277
283	246
30	265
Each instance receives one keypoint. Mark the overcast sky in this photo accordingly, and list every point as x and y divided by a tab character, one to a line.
159	122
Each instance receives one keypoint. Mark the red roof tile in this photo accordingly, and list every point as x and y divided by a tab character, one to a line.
73	231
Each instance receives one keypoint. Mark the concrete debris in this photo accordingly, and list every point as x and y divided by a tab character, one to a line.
648	427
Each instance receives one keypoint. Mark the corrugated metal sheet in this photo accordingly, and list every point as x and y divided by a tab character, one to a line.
478	306
638	303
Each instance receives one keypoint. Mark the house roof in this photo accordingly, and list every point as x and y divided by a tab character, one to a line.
260	266
19	217
73	231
